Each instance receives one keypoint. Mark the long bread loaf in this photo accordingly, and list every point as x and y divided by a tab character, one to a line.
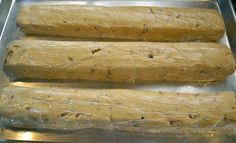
133	23
120	109
119	61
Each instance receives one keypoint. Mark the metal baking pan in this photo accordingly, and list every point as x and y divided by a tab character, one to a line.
9	32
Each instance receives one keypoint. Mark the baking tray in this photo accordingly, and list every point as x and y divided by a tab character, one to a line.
9	32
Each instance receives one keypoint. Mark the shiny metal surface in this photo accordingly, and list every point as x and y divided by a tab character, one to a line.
9	32
112	137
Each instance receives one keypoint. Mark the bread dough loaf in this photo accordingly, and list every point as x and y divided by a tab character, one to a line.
116	109
132	23
119	61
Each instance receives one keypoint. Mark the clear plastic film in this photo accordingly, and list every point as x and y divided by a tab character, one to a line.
117	109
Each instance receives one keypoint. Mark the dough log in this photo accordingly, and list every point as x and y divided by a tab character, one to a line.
130	23
119	61
116	109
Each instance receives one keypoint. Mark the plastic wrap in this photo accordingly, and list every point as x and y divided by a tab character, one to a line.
130	23
115	109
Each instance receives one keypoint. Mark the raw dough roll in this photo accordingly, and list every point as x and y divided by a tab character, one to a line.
119	61
116	109
132	23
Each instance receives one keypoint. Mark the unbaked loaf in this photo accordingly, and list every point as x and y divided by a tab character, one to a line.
116	109
118	61
130	23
